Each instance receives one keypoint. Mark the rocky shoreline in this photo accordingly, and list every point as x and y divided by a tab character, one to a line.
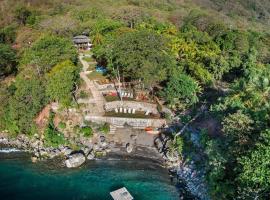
76	157
183	172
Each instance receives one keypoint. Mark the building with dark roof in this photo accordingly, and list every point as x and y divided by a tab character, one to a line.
82	42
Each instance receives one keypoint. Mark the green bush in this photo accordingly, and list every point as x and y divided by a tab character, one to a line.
54	138
62	125
7	59
179	145
87	131
105	128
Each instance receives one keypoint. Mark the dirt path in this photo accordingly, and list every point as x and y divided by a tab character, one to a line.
98	100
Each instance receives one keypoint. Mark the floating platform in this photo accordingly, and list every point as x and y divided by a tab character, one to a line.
121	194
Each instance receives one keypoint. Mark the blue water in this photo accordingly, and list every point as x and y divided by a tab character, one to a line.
22	180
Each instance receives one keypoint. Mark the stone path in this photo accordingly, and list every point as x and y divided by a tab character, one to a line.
97	100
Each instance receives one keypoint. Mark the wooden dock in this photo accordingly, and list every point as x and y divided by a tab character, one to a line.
121	194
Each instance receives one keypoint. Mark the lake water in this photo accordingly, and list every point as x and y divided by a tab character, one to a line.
22	180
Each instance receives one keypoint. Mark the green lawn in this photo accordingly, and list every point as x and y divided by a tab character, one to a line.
96	76
89	59
111	98
87	52
116	98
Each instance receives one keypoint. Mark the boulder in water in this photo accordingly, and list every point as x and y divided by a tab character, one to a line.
75	160
34	159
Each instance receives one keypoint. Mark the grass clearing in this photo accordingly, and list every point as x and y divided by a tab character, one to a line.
110	98
89	59
96	76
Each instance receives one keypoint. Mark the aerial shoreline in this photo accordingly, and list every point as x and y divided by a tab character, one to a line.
112	173
178	172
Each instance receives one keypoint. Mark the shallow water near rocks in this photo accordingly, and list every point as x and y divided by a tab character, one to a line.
20	179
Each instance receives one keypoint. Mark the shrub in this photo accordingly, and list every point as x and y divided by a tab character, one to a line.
54	138
87	131
105	128
7	59
62	125
179	145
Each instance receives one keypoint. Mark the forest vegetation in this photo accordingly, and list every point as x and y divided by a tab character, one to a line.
186	52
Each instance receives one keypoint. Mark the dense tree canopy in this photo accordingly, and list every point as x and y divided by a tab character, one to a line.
47	52
61	81
255	174
140	55
181	90
27	101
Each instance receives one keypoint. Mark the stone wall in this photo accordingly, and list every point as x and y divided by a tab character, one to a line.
120	122
138	106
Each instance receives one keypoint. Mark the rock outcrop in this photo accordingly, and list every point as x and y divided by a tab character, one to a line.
193	177
91	156
129	147
75	160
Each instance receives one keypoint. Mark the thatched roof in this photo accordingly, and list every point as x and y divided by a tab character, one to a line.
79	39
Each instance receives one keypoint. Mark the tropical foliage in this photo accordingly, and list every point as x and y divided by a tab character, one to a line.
47	52
61	82
186	53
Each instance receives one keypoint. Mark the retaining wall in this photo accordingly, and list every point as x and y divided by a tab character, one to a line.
120	122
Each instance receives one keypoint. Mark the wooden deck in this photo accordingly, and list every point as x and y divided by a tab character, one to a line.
121	194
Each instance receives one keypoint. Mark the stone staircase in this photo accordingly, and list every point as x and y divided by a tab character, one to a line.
112	129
